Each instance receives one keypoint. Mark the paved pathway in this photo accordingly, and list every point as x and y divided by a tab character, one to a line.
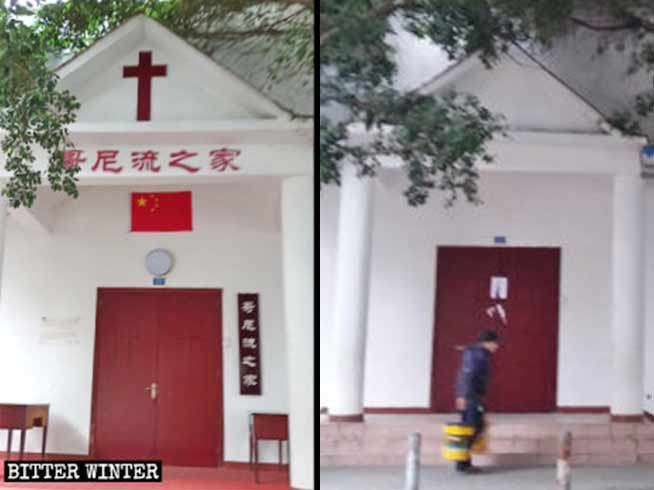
435	478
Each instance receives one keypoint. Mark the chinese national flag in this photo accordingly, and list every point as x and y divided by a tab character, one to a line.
162	211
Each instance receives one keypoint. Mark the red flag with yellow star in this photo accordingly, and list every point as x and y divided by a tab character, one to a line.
162	211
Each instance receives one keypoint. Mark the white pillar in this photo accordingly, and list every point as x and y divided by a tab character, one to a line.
628	305
3	227
297	242
351	293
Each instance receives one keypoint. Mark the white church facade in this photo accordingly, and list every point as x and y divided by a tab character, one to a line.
558	259
158	116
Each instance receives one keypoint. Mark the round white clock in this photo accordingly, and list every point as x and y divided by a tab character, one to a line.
159	262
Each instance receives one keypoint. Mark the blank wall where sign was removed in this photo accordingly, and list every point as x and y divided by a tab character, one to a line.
59	331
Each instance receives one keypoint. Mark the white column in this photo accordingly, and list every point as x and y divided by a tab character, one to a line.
628	305
297	242
351	293
3	227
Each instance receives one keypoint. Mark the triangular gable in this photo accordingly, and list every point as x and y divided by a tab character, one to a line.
194	88
526	93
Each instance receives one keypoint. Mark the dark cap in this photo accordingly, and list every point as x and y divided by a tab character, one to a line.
489	336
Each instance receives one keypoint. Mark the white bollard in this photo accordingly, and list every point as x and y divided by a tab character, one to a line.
563	473
413	462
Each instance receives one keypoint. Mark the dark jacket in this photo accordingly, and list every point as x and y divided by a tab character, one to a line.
472	381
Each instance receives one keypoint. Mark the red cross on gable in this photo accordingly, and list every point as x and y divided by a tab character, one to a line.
144	71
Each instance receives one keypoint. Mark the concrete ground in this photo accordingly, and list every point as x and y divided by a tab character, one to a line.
443	478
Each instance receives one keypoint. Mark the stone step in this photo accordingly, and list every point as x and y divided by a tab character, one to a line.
386	444
435	460
580	430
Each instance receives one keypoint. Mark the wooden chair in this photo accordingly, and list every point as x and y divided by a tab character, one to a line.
268	427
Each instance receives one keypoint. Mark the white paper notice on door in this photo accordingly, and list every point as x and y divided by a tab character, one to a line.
499	287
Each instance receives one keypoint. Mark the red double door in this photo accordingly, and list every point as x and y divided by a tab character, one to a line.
524	370
157	390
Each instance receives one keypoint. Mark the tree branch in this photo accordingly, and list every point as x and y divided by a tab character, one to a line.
298	115
223	35
275	28
630	24
327	35
384	10
308	4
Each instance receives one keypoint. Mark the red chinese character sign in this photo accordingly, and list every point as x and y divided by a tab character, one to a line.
220	160
73	158
177	157
223	159
108	159
145	161
248	339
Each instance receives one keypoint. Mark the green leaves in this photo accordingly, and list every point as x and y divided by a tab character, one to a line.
75	25
282	30
439	140
33	113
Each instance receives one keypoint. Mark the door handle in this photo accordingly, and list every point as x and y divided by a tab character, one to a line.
153	391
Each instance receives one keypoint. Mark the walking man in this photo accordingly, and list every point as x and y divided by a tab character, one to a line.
471	387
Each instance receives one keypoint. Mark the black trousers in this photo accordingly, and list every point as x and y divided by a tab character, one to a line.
473	415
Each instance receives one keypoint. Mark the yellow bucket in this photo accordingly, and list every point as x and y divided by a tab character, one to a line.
458	430
455	453
455	445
